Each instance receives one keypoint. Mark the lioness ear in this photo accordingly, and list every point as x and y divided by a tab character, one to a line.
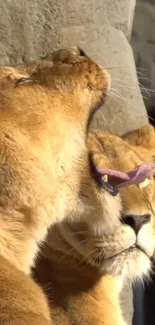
144	137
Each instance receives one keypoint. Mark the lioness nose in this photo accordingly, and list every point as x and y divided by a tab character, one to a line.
136	221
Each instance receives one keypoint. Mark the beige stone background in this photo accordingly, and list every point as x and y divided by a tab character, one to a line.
32	28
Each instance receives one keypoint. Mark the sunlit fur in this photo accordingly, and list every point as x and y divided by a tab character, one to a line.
45	108
84	264
125	154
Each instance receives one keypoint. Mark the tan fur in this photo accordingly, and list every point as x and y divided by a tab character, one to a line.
44	111
83	266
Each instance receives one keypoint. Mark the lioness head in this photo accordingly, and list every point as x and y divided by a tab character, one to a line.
112	238
130	250
45	108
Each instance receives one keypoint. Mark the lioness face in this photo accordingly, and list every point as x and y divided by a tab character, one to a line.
110	237
130	249
45	108
44	111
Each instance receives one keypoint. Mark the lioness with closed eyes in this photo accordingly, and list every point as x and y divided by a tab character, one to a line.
45	174
84	265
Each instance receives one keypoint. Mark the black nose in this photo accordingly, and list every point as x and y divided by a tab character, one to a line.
136	221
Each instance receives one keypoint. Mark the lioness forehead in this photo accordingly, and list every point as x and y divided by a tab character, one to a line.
113	152
117	153
43	65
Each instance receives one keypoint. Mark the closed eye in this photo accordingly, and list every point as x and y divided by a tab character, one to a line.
25	80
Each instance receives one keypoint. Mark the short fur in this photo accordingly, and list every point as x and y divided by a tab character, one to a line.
84	265
45	109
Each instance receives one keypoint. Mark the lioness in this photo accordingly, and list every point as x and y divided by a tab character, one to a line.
83	266
45	109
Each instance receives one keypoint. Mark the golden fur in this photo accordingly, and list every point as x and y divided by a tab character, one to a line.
45	108
84	265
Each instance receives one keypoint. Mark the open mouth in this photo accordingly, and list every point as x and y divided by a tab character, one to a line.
112	180
101	179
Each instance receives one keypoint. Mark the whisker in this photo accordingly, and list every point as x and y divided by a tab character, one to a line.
131	85
151	118
72	249
128	86
147	201
142	78
84	259
102	115
141	69
75	232
144	88
118	96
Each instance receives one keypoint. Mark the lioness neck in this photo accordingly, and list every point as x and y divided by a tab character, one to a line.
22	231
79	288
19	239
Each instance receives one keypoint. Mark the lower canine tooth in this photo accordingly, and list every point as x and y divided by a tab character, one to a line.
105	178
144	184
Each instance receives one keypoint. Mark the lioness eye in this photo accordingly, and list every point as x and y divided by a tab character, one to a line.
24	80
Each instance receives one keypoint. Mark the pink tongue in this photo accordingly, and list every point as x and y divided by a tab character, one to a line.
134	176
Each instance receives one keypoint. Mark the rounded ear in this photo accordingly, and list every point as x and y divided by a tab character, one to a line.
143	137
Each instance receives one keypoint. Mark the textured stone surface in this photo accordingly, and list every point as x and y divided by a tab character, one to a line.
31	28
124	110
143	43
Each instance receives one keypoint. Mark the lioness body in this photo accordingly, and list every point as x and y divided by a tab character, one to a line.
45	109
22	302
82	269
78	294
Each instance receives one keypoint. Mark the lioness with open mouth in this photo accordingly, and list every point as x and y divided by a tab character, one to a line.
45	174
